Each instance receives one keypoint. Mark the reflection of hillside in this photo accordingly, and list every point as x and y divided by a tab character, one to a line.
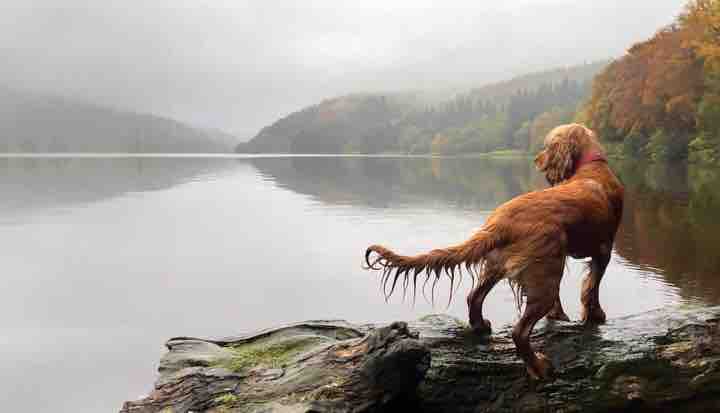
381	182
28	183
670	225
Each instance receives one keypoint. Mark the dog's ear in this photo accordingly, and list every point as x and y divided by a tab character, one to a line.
559	158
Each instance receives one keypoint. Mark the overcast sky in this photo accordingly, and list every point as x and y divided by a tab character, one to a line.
239	64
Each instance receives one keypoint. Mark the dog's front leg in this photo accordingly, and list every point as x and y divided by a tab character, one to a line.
592	312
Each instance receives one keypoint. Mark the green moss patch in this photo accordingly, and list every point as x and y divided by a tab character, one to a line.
271	355
227	398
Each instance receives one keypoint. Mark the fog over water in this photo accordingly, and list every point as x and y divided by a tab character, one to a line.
107	256
239	65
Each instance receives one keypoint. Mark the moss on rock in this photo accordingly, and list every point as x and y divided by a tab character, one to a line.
275	354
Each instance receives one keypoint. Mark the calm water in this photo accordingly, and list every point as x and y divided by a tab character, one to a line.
104	259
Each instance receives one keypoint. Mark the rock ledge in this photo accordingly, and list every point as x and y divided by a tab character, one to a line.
665	360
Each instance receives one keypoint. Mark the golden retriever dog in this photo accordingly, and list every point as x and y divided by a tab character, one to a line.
527	240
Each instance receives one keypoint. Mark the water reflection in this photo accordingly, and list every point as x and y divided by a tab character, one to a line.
670	227
467	183
29	184
109	257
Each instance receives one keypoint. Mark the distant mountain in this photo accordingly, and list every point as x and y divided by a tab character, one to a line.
31	122
505	115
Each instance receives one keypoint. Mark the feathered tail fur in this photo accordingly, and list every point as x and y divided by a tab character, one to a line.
450	261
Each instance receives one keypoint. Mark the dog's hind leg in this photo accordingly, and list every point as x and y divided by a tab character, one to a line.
475	301
540	284
592	313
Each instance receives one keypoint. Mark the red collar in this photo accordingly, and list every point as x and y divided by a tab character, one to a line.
589	157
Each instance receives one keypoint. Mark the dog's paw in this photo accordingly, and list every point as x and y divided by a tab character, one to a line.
482	328
541	368
594	315
557	315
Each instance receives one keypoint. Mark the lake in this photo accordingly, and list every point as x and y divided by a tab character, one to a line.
106	258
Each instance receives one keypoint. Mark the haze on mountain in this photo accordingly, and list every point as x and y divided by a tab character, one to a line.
41	123
240	65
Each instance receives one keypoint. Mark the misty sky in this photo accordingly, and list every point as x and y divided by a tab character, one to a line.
238	65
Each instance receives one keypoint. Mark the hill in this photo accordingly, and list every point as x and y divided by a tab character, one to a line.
342	124
31	122
506	115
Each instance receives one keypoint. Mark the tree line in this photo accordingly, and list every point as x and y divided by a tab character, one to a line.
662	99
508	115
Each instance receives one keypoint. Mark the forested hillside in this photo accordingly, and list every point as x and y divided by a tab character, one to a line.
662	99
38	123
510	115
344	124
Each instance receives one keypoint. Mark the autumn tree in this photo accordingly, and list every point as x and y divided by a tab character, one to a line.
702	17
666	90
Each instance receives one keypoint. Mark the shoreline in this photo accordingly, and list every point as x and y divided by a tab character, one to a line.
122	155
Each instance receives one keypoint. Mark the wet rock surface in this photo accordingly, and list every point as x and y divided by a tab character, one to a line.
665	360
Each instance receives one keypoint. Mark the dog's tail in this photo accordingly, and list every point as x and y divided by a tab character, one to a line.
470	255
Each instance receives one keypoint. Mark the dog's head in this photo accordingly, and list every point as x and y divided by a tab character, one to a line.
563	148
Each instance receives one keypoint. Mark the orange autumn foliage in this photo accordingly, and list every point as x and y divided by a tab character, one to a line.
656	85
702	18
662	99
